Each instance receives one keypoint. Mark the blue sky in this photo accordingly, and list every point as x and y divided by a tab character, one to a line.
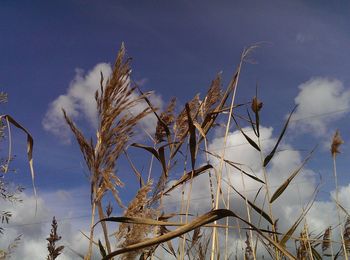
177	48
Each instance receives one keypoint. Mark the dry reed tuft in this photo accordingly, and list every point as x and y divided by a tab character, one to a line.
336	142
168	118
256	105
135	233
143	229
115	127
213	96
326	241
54	251
181	123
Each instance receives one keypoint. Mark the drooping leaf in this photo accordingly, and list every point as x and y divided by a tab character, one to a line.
30	144
209	217
188	176
147	148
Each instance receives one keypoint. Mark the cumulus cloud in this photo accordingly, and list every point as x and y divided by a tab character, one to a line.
320	102
79	103
287	208
71	211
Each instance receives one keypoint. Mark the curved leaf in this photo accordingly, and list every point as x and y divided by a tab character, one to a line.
272	153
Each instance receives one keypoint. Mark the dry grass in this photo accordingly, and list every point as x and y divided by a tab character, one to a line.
144	227
148	226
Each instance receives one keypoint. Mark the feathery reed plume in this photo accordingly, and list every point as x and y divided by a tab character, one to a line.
181	123
302	251
54	251
134	233
115	126
336	142
168	118
214	94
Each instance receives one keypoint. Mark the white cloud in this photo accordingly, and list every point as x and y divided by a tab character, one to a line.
79	102
320	96
69	209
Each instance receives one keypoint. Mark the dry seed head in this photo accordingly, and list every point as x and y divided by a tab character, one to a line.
256	105
168	118
109	209
336	142
134	233
181	124
214	95
326	241
54	251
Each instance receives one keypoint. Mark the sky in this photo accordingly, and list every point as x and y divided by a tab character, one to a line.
52	54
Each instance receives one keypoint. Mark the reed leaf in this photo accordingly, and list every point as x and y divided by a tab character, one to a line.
234	165
272	153
255	207
192	142
102	249
285	184
30	144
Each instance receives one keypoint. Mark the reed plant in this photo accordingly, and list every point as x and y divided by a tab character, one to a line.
147	226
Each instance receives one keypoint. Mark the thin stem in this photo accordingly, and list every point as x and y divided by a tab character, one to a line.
219	174
104	226
337	202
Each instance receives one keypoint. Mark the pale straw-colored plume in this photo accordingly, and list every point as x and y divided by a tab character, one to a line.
336	142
